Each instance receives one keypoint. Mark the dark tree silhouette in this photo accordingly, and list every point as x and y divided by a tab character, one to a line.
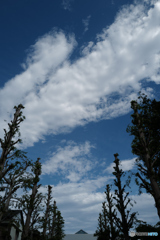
146	145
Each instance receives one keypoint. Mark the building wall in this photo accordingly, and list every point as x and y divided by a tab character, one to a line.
79	237
13	229
13	233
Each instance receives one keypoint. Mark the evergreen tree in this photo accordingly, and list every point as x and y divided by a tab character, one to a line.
146	145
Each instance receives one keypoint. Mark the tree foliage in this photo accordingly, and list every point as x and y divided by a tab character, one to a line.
111	213
103	231
14	175
146	145
127	220
110	226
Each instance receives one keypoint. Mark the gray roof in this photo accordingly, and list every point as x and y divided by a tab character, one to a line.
81	232
79	237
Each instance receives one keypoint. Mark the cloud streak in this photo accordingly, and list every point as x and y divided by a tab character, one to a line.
81	203
67	4
125	165
86	23
72	161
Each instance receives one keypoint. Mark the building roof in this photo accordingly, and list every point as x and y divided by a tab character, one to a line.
81	232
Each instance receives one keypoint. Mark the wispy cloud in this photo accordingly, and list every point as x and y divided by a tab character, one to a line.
81	203
125	165
67	4
72	161
86	23
112	2
59	95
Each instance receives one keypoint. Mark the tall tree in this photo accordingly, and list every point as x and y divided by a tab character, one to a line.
102	232
9	160
47	212
8	144
30	203
13	181
59	227
111	213
146	145
126	222
53	218
55	224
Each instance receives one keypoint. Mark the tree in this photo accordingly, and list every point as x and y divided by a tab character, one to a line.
8	154
13	181
45	219
13	175
30	204
8	145
126	222
102	232
147	228
146	145
59	232
111	213
56	224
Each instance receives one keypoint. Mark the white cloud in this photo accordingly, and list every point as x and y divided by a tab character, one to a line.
81	203
67	4
59	95
86	23
145	207
125	165
72	161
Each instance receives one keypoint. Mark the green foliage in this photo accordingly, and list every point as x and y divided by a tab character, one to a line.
59	225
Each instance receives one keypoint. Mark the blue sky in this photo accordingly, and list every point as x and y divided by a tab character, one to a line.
75	65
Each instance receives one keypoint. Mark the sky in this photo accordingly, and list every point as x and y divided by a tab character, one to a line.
76	65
